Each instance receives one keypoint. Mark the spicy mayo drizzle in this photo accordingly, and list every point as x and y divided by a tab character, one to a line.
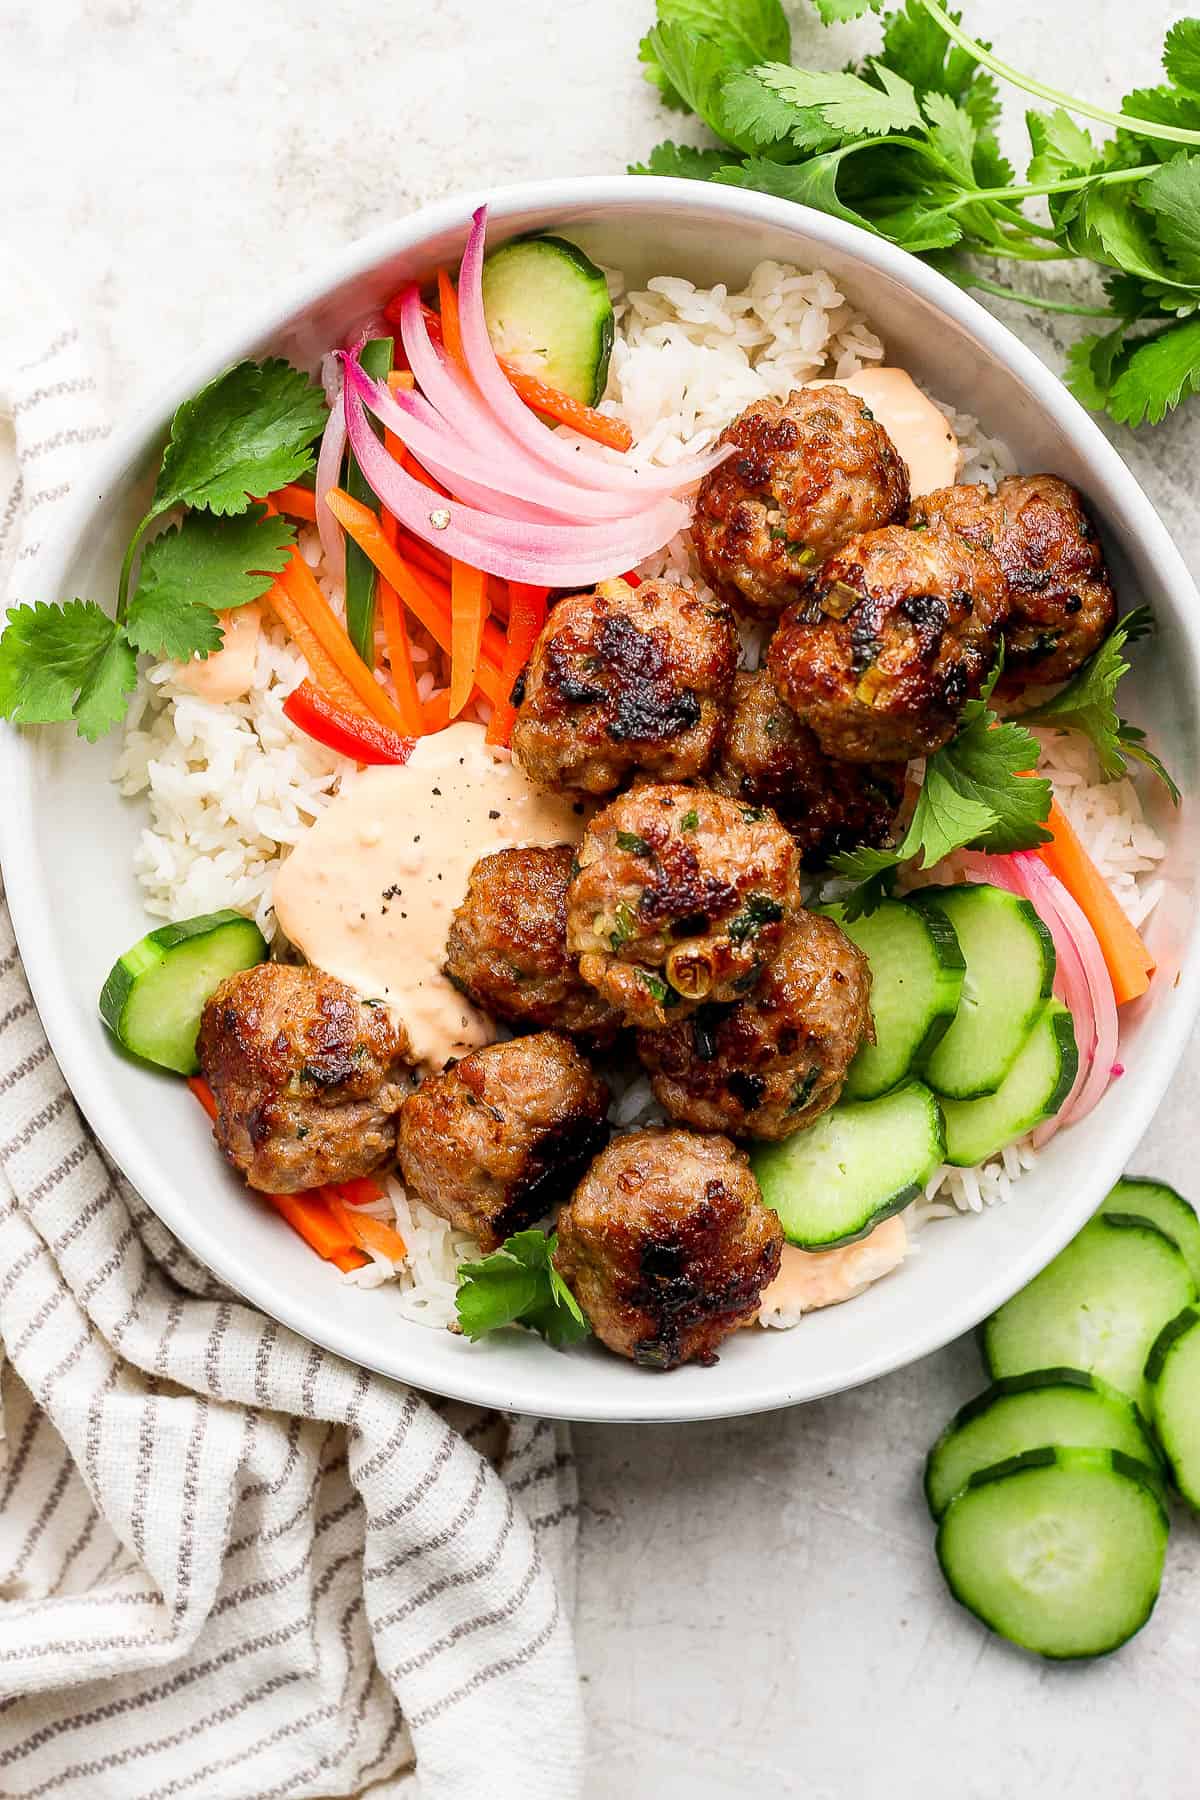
368	892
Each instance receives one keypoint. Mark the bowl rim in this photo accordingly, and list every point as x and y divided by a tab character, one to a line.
78	1057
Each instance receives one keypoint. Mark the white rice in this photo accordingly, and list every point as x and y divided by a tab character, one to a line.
231	787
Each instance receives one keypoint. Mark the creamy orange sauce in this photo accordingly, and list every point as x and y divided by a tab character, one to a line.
808	1279
919	431
368	892
228	673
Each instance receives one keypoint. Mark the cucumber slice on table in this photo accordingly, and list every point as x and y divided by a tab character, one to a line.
1155	1201
916	979
1060	1551
548	311
154	996
1032	1091
858	1164
1009	976
1173	1377
1048	1406
1098	1306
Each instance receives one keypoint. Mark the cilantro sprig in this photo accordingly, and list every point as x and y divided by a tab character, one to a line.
248	432
519	1285
905	146
977	791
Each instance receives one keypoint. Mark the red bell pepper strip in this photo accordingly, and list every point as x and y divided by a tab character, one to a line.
365	739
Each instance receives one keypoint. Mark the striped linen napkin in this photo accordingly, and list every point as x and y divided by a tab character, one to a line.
231	1565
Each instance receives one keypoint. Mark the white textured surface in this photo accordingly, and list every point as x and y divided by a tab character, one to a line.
759	1602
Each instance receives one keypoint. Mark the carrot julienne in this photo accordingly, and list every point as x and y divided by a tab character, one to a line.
468	614
366	1232
1126	957
298	502
451	331
300	584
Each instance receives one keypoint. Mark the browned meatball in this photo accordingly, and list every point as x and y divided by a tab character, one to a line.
767	758
893	635
306	1077
507	948
666	1245
778	1059
809	472
680	897
498	1139
1062	600
625	679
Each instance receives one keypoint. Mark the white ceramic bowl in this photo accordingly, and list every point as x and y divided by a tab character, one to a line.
68	837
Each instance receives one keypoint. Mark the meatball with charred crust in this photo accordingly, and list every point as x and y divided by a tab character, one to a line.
778	1059
808	473
1062	599
894	634
498	1139
625	679
306	1076
507	948
666	1245
680	897
767	758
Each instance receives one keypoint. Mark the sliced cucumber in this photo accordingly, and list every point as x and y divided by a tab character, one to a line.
1009	976
858	1164
1173	1378
1060	1551
916	979
548	311
154	996
1033	1090
1155	1201
1048	1406
1098	1306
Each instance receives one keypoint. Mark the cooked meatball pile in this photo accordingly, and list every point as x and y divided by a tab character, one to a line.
681	897
667	1246
1062	600
777	1060
808	473
498	1139
894	634
307	1077
767	758
623	680
507	948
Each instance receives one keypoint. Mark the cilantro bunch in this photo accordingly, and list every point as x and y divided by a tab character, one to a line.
250	431
905	146
518	1284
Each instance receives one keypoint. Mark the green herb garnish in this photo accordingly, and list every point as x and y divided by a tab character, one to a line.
905	145
758	911
623	925
519	1285
654	986
634	843
1088	704
690	820
250	431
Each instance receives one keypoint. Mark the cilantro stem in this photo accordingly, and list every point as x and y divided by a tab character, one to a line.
1067	186
1006	293
1177	134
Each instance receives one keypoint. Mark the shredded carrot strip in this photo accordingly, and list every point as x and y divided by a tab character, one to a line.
362	1190
300	584
418	592
437	712
299	502
1126	957
366	1232
204	1094
468	612
451	330
526	618
584	419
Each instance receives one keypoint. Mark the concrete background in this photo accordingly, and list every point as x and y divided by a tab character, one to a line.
759	1603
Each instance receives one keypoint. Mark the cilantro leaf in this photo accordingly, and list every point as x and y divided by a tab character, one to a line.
1181	55
952	134
1163	106
695	68
246	433
916	46
1173	195
1061	148
682	160
204	566
518	1284
841	12
1159	372
760	116
1087	704
1091	366
847	102
64	662
812	183
747	31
